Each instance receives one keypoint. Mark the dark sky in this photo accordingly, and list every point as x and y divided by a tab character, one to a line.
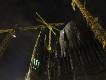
15	61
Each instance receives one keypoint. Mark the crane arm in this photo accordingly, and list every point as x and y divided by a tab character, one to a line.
3	30
99	32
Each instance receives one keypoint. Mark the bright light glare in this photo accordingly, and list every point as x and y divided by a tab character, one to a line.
14	36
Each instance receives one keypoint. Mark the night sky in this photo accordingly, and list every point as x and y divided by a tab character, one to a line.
15	61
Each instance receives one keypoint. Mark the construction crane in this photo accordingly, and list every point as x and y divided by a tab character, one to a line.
33	60
97	29
11	32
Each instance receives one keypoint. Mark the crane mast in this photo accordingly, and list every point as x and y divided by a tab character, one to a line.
95	26
28	76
